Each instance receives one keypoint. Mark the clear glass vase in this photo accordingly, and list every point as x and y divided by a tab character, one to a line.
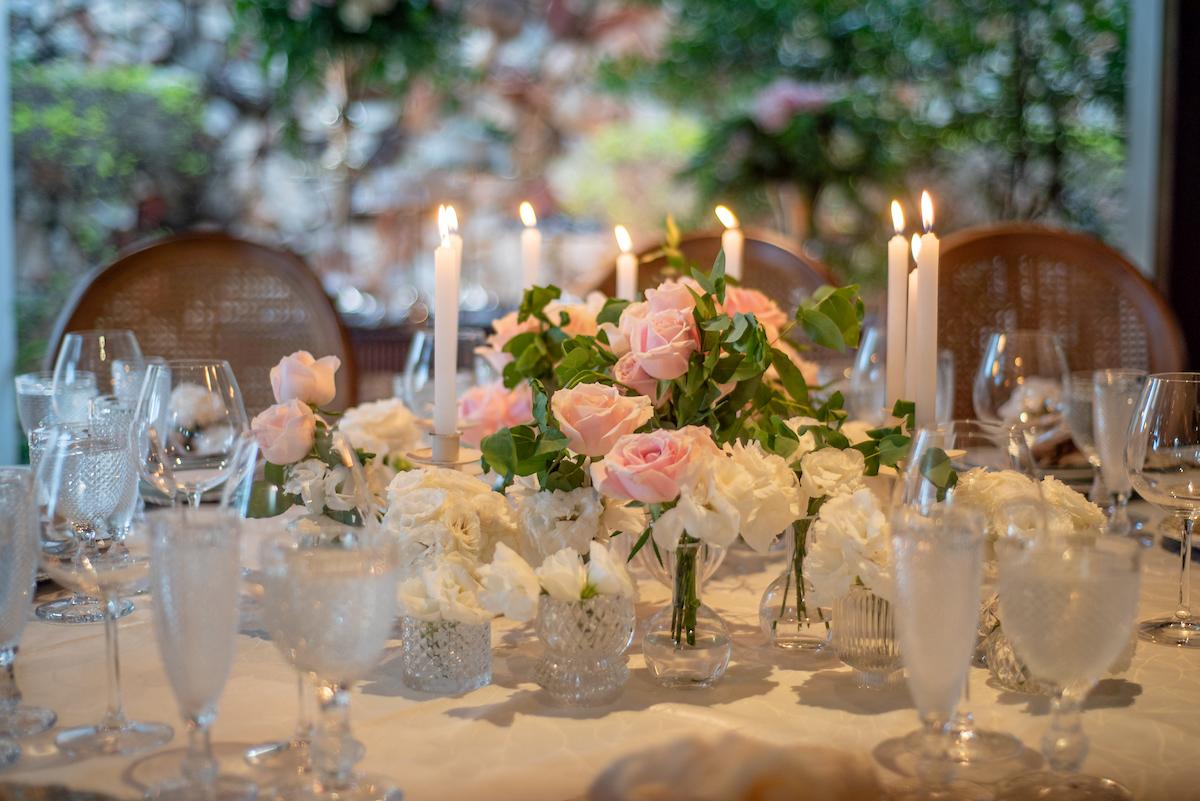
687	644
444	657
584	661
863	635
783	613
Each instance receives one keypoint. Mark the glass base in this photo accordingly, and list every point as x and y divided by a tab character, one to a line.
10	752
132	738
362	788
954	791
975	746
74	610
26	721
1171	631
1047	786
224	788
873	680
699	663
284	756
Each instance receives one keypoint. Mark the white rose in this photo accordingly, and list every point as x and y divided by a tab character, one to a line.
850	539
382	428
510	587
831	471
608	574
772	501
563	575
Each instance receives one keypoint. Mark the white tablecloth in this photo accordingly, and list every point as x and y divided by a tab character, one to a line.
505	741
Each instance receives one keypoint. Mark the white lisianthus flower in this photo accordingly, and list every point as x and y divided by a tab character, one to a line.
563	576
382	428
831	471
607	573
707	508
308	480
808	442
551	521
856	430
510	587
443	590
772	501
850	540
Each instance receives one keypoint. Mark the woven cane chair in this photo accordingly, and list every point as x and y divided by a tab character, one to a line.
205	295
770	263
1018	275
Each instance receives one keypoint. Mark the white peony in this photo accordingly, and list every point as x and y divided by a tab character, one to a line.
607	573
382	428
444	590
850	539
831	471
563	576
772	501
510	587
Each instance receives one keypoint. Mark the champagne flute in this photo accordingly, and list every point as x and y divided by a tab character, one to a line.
96	355
1116	394
1079	392
186	427
18	563
1068	605
194	572
89	484
1162	457
939	573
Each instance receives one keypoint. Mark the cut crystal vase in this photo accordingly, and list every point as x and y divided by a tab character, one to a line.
445	657
584	661
863	635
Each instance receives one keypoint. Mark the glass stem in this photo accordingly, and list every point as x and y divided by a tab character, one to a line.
304	719
114	718
934	766
199	765
10	694
1098	488
334	750
1119	520
1184	612
1065	745
195	498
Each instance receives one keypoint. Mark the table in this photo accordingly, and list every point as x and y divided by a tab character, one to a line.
505	742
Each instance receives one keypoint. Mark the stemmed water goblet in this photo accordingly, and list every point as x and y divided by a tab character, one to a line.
1068	605
1115	394
955	449
330	605
89	485
97	356
1162	457
939	573
194	574
188	419
18	563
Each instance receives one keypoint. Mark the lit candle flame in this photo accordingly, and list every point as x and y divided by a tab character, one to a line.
447	221
623	240
926	211
897	217
527	215
916	246
727	217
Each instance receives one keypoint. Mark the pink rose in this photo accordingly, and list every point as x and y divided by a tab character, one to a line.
581	317
673	295
751	301
664	342
285	431
303	378
651	467
595	416
505	328
628	371
484	410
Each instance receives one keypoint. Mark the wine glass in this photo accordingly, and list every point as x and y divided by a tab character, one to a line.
1079	392
1068	605
415	385
186	426
1162	456
36	399
1116	393
936	477
939	574
18	563
1019	383
89	484
330	605
102	353
128	377
194	573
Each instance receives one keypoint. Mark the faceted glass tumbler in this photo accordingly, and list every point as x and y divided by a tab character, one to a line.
444	657
787	616
584	661
863	634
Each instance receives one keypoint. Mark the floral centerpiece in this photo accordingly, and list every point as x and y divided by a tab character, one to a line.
298	436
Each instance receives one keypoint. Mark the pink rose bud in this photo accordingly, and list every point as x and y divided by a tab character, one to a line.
303	378
673	296
664	342
285	432
651	467
628	371
595	416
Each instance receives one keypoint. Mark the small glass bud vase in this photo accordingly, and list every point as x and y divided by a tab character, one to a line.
444	657
783	612
863	635
584	661
687	644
